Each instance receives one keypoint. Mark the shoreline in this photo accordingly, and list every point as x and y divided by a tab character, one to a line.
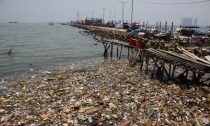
107	93
32	73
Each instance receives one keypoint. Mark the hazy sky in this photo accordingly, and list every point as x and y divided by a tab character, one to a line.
66	10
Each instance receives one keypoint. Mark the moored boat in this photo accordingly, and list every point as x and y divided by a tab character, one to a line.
13	22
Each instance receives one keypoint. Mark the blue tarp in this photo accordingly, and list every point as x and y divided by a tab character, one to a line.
198	33
135	32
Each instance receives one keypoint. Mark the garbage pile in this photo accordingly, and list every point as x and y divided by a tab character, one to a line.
107	94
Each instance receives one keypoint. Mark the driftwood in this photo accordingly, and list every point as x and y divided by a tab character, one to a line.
207	58
187	53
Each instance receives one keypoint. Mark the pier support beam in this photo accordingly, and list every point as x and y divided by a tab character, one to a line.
106	48
120	52
111	51
117	52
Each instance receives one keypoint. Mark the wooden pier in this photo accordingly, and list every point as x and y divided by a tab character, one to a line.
164	63
106	33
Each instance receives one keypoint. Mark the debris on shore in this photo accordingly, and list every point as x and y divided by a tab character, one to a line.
110	93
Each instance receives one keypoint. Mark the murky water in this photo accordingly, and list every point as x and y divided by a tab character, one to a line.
42	47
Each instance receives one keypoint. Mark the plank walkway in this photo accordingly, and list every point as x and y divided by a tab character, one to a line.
165	63
174	60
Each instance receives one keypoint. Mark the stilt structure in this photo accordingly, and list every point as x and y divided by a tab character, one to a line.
165	63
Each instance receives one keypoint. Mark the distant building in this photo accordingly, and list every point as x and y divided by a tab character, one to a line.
196	22
189	21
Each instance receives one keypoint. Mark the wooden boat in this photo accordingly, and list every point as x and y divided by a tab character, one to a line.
13	22
188	35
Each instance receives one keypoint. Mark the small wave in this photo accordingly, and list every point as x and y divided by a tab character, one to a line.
27	75
43	47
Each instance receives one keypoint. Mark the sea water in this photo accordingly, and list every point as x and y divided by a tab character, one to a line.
38	46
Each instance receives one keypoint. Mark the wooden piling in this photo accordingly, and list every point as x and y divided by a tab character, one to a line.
162	71
106	48
111	51
128	52
166	72
120	52
154	67
172	27
142	60
117	52
156	25
166	26
173	72
147	62
160	26
169	68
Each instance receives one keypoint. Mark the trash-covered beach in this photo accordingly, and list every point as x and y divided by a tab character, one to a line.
109	94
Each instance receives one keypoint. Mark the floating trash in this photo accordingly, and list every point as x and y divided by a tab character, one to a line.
46	72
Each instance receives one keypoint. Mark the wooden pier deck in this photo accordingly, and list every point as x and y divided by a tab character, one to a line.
172	60
107	33
165	63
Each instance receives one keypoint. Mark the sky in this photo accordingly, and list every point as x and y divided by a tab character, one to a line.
67	10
